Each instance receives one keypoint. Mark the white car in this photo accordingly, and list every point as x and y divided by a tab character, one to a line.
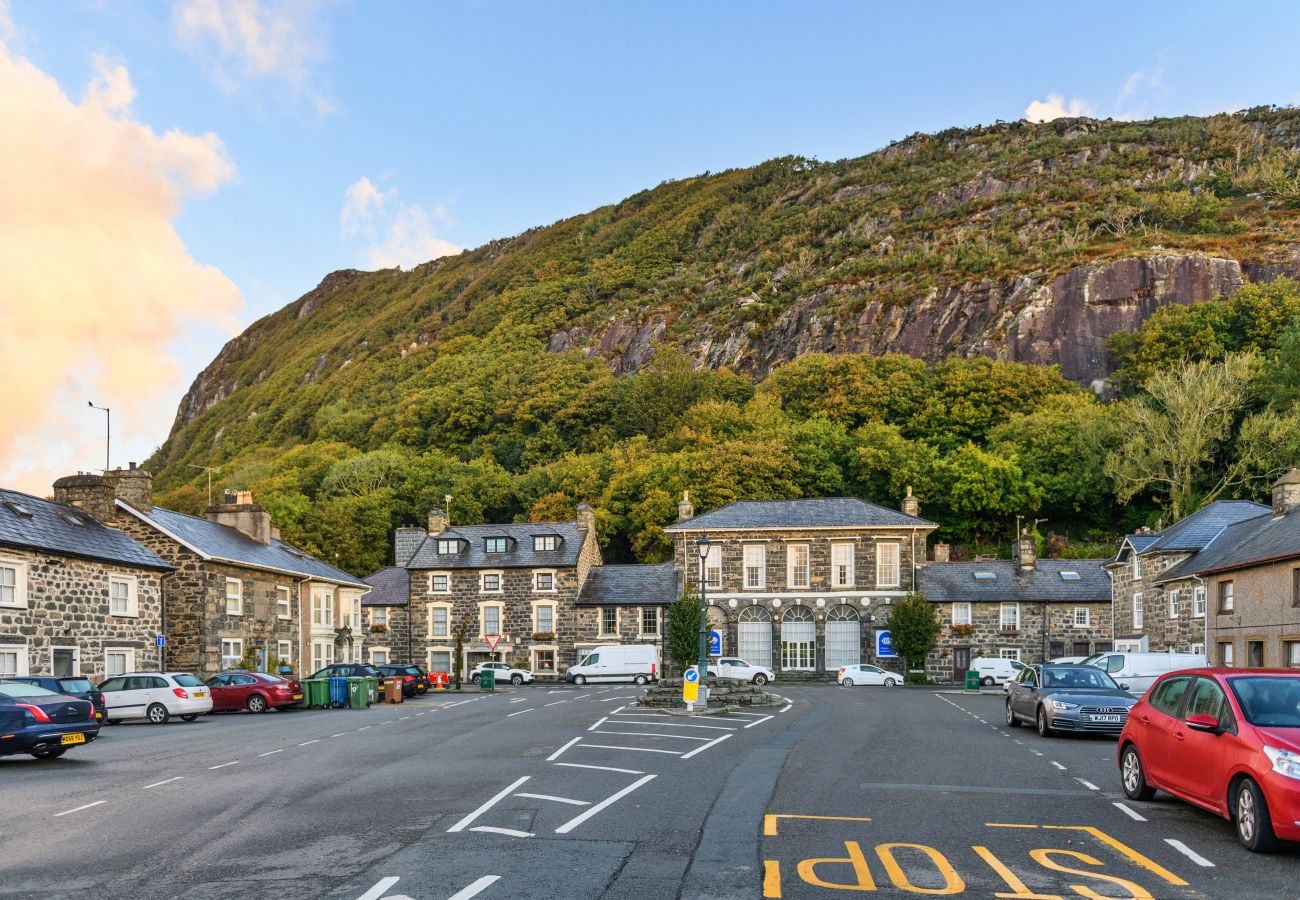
156	696
504	673
734	667
865	674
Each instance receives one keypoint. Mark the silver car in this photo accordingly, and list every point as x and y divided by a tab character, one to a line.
1073	698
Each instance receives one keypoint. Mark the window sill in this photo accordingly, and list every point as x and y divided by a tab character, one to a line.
648	636
607	635
125	615
545	591
13	605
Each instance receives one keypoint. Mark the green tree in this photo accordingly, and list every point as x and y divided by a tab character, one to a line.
914	627
684	629
986	491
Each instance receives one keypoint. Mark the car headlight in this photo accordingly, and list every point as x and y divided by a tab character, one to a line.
1061	705
1284	761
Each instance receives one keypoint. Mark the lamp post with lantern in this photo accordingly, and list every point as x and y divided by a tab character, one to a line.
702	547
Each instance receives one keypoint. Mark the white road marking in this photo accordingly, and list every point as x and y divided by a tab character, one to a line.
1088	784
476	888
638	749
1058	765
340	734
556	703
612	699
223	765
607	802
676	724
617	711
556	799
521	712
759	721
419	714
556	755
598	724
518	700
704	747
555	692
1189	853
1132	814
676	737
270	752
80	808
160	783
460	826
403	718
463	702
363	728
508	832
602	768
305	743
381	887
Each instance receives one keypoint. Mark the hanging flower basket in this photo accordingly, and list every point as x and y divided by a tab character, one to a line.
543	635
378	629
963	630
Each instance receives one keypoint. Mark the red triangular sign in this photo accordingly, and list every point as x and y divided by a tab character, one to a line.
492	641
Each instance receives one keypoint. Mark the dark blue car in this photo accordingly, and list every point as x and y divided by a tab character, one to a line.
74	686
43	723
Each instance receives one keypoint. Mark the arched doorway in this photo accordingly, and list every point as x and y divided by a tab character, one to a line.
798	639
843	638
754	635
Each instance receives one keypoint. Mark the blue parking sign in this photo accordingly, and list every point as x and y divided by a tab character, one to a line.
884	644
162	641
715	643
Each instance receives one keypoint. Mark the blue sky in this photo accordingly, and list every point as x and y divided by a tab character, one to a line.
477	120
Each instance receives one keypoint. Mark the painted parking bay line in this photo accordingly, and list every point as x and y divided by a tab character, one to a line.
460	826
604	804
551	797
161	783
476	888
68	812
1189	853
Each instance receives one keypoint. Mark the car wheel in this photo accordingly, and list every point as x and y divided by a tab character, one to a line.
516	679
987	682
847	682
889	682
189	718
1012	721
760	680
640	679
579	679
157	714
256	703
1133	777
1043	728
55	753
1254	824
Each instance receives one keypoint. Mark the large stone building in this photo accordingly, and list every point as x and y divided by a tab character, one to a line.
1022	608
76	597
237	595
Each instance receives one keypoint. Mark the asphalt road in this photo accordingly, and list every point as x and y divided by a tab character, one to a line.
541	792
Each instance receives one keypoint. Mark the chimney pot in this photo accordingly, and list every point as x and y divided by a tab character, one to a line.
685	509
586	518
1025	550
942	553
439	521
911	505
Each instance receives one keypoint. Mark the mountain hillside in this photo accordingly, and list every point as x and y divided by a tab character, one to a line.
1017	242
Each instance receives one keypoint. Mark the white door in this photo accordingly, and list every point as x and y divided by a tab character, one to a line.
798	639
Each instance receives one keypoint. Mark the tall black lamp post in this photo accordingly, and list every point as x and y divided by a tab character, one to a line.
702	547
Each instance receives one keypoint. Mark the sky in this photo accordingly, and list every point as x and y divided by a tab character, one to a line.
173	170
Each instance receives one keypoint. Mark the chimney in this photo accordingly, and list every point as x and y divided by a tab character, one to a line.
684	508
942	553
96	493
438	522
1024	550
911	506
242	514
586	518
405	542
1286	493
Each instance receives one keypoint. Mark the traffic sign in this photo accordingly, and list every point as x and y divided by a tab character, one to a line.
715	643
691	684
492	641
161	640
885	644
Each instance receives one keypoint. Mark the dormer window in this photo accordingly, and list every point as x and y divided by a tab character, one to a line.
546	542
18	509
495	544
448	546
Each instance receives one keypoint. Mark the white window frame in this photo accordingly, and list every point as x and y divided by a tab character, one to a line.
283	603
350	606
433	586
1229	658
1139	610
284	652
482	582
503	542
850	566
713	567
1014	608
238	597
600	625
640	619
1137	566
19	568
1173	604
1009	653
755	566
957	618
540	540
482	618
132	585
537	620
370	656
884	577
452	543
798	577
378	615
445	607
537	576
128	659
236	644
322	654
1084	620
1199	595
22	661
544	648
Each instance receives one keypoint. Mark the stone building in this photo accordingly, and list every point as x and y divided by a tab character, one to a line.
76	598
386	622
1022	608
625	604
802	586
237	595
1159	604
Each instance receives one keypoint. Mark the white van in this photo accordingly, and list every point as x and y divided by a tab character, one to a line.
995	670
637	663
1138	671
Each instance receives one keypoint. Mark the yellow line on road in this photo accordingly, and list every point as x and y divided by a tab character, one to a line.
1126	850
771	879
769	821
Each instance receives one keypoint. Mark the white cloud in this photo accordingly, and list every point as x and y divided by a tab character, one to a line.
97	285
1056	107
1130	102
262	40
395	233
7	29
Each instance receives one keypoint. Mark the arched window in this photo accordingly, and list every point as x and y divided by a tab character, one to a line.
843	638
754	635
798	639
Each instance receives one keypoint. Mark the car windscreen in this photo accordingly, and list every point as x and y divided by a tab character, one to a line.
1077	677
187	680
25	690
75	685
1268	701
410	670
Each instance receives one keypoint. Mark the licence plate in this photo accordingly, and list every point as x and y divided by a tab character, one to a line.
74	738
200	693
1107	718
297	696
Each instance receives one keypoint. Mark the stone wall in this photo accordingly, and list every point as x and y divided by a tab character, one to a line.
395	638
1163	632
1034	644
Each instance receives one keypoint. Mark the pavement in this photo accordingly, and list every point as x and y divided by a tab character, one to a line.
573	792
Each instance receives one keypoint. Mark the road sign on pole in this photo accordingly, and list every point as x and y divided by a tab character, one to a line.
691	686
162	641
492	641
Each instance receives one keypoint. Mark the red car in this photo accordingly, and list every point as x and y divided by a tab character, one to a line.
1227	740
253	691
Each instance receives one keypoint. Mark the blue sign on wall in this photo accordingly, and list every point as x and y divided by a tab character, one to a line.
162	641
885	644
715	643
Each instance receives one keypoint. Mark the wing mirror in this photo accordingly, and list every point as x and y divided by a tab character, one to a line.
1123	687
1202	722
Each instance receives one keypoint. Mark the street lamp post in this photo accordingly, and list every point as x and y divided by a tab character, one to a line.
702	547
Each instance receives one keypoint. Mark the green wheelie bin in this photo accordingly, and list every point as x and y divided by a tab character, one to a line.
315	693
359	693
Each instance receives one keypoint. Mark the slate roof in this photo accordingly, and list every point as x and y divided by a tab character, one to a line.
956	582
630	585
519	553
47	530
1263	538
811	512
1195	531
390	586
1135	542
227	544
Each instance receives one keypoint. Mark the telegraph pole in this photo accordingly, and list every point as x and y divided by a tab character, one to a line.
108	431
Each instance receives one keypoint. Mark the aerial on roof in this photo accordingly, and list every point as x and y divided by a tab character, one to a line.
390	586
473	550
1050	580
630	585
35	524
811	512
226	544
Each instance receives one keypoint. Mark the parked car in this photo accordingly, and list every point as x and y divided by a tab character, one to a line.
504	673
1082	699
638	663
866	674
44	723
996	670
348	670
78	687
254	691
735	667
1140	670
414	681
1068	660
156	696
1227	740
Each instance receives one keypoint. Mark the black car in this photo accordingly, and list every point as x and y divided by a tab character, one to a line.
414	681
78	687
348	670
43	723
